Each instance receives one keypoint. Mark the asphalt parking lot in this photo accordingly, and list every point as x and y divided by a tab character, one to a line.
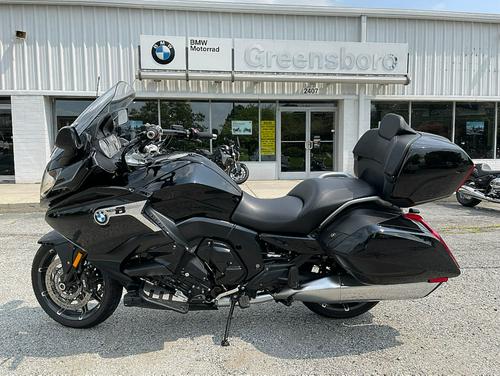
454	331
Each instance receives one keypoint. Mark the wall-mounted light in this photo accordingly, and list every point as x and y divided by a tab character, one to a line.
20	34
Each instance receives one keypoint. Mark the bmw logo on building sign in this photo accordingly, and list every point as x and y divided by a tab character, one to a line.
163	52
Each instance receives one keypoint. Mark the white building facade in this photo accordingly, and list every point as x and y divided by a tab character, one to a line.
297	86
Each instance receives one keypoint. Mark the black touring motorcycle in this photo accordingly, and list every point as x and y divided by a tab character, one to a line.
178	234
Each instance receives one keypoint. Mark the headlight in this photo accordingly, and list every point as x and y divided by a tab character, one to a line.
48	181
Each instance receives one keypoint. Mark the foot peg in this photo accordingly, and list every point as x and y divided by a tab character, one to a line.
176	301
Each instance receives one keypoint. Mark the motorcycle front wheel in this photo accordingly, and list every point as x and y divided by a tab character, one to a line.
86	302
241	176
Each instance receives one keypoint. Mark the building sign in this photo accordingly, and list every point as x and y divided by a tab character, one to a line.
279	56
254	56
241	127
210	54
267	137
161	52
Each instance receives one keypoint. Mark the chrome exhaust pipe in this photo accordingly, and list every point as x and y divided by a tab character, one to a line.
346	289
469	191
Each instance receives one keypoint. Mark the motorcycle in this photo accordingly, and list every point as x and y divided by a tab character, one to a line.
178	234
227	157
482	185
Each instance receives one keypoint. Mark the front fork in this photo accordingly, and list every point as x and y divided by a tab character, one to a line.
71	257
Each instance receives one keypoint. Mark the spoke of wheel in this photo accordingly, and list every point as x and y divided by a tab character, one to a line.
85	309
41	270
97	297
61	310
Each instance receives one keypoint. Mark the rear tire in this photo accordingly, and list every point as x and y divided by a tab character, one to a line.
468	202
104	301
340	311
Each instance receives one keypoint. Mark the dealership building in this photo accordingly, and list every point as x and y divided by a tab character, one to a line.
296	85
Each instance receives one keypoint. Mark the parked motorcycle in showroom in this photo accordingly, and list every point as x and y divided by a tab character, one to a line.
482	185
178	234
227	157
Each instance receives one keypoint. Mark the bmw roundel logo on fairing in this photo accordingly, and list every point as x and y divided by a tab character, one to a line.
163	52
100	217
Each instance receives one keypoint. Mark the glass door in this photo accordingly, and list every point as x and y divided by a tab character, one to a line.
6	144
307	142
322	142
293	144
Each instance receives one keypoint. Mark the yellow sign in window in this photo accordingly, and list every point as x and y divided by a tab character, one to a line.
267	137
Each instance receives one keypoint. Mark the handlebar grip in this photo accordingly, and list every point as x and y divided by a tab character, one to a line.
206	135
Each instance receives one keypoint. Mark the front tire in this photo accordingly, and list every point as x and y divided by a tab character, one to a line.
340	311
81	305
242	176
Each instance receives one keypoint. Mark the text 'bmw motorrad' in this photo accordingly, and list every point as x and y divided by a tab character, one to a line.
178	234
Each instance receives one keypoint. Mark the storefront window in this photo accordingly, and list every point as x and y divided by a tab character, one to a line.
237	121
67	110
268	131
140	112
475	128
6	145
380	109
433	117
189	115
498	132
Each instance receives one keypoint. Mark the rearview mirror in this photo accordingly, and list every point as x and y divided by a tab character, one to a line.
122	117
68	139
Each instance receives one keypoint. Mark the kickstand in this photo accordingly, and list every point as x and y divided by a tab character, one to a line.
225	341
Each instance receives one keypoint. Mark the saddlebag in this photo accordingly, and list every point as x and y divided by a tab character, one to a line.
378	246
408	167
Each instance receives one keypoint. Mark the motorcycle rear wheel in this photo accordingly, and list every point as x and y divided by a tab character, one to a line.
340	311
74	306
468	202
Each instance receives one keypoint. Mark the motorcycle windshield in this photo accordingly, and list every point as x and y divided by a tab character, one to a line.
118	97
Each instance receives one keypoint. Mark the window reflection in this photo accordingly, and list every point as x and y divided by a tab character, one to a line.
380	109
6	144
67	110
237	121
475	128
189	114
140	112
433	117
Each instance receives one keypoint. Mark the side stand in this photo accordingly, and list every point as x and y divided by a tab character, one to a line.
225	341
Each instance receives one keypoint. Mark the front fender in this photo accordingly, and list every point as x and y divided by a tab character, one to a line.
64	248
52	238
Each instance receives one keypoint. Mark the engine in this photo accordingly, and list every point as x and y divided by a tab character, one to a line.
495	188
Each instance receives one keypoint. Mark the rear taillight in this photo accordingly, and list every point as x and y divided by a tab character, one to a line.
438	280
417	218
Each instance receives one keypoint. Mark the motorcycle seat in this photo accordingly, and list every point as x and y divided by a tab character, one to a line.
303	208
485	169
